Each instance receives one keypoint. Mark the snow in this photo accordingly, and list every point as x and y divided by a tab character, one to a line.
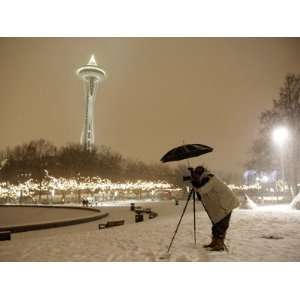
124	202
247	203
264	234
296	202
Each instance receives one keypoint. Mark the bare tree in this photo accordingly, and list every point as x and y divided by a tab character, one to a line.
285	111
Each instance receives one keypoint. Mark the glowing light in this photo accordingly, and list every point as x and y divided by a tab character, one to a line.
92	60
244	187
280	135
85	184
265	179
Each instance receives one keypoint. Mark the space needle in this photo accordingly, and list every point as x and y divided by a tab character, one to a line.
91	74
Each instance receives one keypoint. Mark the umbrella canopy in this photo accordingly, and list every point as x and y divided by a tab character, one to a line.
185	151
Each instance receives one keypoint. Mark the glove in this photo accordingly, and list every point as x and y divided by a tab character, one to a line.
197	183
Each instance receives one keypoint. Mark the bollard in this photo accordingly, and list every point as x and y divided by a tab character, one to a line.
132	206
139	218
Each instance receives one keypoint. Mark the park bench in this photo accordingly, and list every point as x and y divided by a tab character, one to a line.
111	224
152	215
138	209
5	235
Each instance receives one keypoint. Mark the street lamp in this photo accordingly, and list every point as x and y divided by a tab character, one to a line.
265	179
280	136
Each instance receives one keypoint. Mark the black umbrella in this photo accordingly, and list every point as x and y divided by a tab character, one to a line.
185	151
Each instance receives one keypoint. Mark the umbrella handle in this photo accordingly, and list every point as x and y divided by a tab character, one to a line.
188	163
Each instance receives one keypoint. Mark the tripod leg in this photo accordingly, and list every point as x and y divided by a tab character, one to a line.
194	207
187	202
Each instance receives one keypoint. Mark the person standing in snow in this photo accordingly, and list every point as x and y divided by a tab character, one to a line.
218	201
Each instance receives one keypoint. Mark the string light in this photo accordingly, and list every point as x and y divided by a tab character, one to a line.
95	184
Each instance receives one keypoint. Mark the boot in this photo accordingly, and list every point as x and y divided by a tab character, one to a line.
211	244
219	245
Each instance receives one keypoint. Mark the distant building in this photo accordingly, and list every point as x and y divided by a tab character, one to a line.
91	75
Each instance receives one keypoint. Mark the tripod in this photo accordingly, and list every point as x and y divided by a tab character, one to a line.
193	194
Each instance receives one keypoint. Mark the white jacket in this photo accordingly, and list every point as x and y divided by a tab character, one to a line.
217	199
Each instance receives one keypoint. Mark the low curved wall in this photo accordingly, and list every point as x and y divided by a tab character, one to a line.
51	206
53	224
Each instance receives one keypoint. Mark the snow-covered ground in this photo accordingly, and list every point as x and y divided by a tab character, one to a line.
29	215
265	234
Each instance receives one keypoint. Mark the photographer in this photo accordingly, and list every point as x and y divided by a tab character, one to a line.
218	201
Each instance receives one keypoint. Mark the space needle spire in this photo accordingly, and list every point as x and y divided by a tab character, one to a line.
91	75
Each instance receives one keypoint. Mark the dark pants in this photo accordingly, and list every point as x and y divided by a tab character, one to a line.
219	229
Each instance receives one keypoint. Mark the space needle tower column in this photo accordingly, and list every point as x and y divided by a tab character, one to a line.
91	75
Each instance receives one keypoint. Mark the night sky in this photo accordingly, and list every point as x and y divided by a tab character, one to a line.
158	93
